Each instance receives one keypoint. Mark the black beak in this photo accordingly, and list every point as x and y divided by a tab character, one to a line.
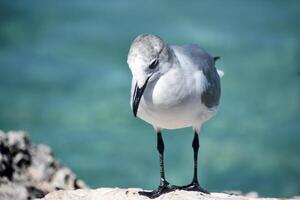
137	95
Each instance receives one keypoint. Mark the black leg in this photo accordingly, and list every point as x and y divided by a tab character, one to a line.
160	149
194	185
195	146
164	186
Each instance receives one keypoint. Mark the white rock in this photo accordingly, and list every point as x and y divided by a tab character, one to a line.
30	171
132	194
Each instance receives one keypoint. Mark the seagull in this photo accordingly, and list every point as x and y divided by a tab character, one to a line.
173	87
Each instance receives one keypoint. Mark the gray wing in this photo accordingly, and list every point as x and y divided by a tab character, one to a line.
211	96
205	62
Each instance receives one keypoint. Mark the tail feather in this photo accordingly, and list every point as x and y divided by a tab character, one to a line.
216	58
220	73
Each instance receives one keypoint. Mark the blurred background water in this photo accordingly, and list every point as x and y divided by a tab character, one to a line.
64	78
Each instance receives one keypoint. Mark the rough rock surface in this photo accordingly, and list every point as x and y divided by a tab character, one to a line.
132	194
30	171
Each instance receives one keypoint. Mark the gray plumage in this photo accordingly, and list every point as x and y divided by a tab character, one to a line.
173	87
205	62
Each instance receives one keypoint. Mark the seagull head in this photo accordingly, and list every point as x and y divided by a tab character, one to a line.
149	58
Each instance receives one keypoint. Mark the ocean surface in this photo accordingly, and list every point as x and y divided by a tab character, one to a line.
65	80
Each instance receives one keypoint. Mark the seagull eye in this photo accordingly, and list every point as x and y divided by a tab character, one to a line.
154	64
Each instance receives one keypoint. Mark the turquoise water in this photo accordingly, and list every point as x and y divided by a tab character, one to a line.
64	78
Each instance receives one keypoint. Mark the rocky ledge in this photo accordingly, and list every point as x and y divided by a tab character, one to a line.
132	194
30	171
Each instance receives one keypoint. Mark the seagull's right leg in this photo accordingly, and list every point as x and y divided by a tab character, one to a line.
164	185
194	185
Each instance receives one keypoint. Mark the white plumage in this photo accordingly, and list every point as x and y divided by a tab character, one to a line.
173	87
172	99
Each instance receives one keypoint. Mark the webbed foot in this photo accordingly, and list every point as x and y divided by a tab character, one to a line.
194	186
162	189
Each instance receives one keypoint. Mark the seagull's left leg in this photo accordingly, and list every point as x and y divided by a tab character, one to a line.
164	186
194	185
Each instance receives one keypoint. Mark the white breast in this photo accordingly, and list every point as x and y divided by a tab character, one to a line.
174	100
